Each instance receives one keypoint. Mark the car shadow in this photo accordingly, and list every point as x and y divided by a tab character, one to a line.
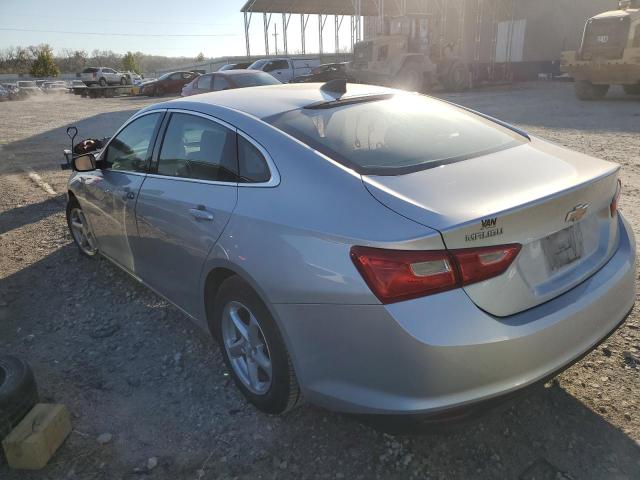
44	151
30	213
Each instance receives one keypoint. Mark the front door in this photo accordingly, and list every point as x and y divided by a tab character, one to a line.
184	205
110	193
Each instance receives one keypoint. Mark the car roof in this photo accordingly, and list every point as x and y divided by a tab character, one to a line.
268	100
239	71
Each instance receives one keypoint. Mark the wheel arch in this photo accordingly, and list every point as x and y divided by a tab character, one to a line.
220	270
217	272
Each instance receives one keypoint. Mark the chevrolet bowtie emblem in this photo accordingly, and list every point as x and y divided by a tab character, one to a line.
577	213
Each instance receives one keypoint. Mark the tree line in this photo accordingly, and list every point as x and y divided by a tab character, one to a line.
40	61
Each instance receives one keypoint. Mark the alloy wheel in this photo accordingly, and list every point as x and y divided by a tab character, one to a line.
81	232
247	348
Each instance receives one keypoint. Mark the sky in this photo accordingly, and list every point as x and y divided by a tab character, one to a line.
160	27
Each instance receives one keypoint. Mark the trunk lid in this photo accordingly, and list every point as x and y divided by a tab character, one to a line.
552	201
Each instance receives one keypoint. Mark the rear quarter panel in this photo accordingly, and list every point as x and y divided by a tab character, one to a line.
292	241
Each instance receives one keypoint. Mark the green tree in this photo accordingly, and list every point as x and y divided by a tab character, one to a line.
44	65
130	63
200	57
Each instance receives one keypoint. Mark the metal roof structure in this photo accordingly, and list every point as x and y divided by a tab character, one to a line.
339	9
367	8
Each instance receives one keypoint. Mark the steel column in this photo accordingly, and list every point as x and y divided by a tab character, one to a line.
266	21
247	23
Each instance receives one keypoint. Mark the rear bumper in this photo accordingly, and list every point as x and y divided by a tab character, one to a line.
440	353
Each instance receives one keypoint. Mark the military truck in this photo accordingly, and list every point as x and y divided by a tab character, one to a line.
405	57
609	53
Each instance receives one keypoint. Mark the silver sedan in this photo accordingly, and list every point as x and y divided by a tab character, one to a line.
372	250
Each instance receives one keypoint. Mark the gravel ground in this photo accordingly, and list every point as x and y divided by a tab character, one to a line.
128	365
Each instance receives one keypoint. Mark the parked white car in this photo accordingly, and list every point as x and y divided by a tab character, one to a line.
102	76
286	69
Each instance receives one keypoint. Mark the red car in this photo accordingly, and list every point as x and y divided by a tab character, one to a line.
168	83
226	80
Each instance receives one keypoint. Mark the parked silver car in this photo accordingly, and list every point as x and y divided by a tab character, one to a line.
374	251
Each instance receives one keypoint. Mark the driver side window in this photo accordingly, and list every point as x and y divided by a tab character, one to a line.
131	148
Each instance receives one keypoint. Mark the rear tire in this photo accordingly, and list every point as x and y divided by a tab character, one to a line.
585	90
237	301
631	89
18	393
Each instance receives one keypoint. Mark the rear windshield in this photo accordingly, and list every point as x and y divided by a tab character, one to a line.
253	79
90	70
399	134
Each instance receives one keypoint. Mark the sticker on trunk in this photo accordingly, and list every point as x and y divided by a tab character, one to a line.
488	229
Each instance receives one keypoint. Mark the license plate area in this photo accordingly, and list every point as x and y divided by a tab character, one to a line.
563	248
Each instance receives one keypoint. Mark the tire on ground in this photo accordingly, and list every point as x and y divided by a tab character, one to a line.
585	90
103	82
632	89
18	392
284	392
123	81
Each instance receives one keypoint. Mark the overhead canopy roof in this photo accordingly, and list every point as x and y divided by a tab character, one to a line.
369	8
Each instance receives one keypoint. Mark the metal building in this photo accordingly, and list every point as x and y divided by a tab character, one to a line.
499	39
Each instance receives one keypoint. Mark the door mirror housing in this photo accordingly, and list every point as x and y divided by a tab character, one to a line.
84	163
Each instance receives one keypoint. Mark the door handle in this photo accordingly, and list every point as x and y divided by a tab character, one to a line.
200	214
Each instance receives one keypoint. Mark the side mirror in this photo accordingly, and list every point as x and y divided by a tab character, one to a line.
84	163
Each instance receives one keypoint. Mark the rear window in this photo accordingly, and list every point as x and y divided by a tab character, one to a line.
395	135
253	80
90	70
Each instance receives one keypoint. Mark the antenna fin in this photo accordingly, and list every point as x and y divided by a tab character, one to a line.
336	88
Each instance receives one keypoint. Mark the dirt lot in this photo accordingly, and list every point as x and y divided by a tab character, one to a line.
129	365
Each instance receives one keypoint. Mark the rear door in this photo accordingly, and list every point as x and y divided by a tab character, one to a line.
220	83
203	84
185	203
109	194
280	69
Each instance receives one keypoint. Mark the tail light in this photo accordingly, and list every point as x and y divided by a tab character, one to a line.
396	275
613	207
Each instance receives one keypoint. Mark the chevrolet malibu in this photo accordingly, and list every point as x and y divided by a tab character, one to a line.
371	250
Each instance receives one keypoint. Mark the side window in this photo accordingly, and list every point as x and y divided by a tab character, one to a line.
175	76
187	75
131	148
204	82
253	166
280	65
220	83
194	147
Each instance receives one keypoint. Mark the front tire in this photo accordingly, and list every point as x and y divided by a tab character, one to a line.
103	82
123	81
80	230
585	90
253	349
411	78
159	91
